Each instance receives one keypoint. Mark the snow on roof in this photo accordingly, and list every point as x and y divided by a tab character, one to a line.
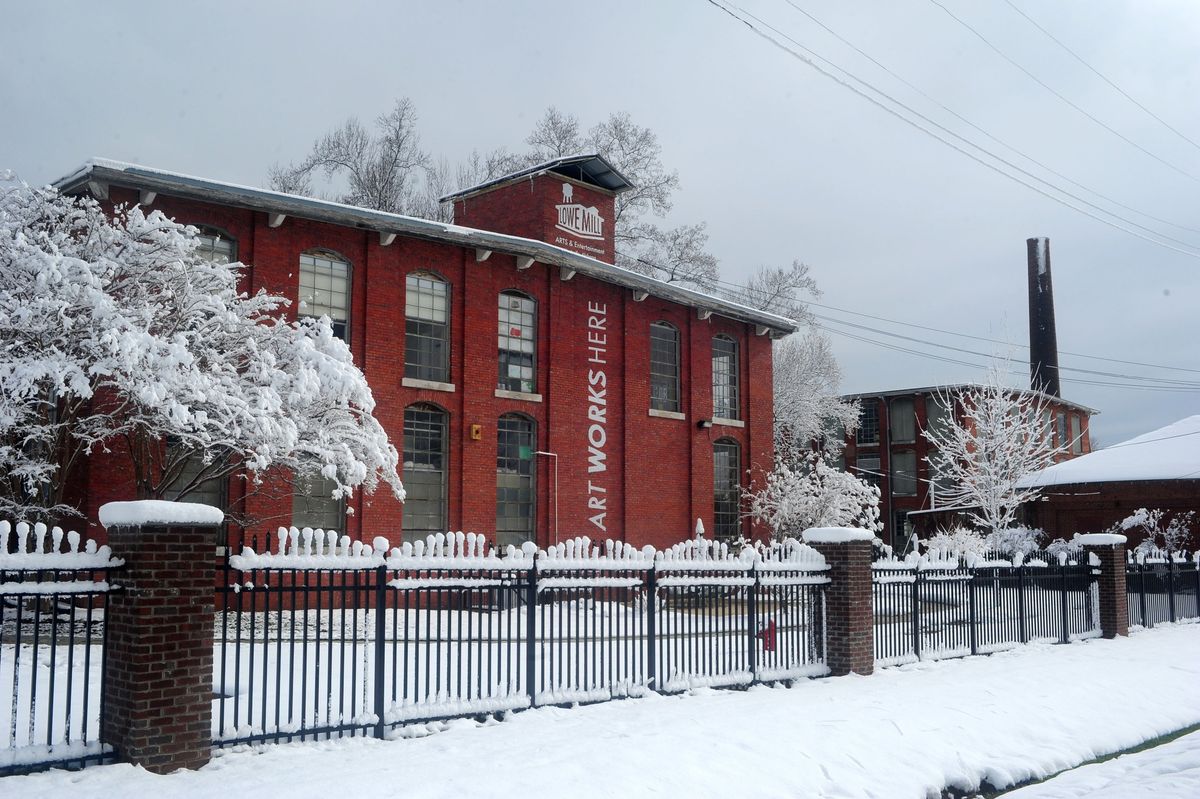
104	171
1169	453
957	388
588	167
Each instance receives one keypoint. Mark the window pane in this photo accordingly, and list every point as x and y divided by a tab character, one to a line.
664	367
424	472
517	335
313	505
324	289
427	328
868	423
904	473
903	421
514	481
726	496
867	469
725	378
1076	436
214	248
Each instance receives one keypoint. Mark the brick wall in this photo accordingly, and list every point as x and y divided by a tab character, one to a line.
849	615
659	475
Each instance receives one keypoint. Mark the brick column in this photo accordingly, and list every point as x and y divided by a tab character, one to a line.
158	667
1114	610
849	618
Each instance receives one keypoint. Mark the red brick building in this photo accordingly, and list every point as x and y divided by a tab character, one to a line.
890	451
534	388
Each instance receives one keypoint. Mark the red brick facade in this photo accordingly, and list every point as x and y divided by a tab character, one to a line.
659	476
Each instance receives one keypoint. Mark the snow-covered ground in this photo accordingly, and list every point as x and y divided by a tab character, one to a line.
1169	771
903	732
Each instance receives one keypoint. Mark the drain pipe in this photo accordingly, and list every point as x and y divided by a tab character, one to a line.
555	456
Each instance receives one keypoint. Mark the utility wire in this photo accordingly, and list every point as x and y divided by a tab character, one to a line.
1102	76
738	288
1126	227
966	121
1059	95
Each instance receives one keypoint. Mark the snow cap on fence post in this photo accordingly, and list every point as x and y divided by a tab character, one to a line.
159	657
849	619
1109	550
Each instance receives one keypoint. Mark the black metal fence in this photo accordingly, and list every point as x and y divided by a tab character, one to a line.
52	637
314	650
927	610
1162	589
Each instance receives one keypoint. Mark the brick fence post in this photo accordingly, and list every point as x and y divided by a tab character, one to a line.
158	667
849	618
1109	548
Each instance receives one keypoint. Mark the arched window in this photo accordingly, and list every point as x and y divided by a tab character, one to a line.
664	367
216	246
427	327
325	289
517	316
424	471
726	404
727	472
514	479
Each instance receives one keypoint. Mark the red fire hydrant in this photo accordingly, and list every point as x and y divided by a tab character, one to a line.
767	634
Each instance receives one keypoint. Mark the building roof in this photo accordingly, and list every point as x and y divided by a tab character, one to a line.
590	168
100	173
1169	453
959	387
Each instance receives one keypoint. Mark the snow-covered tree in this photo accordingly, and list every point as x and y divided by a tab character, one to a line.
999	436
120	335
1162	529
812	493
807	406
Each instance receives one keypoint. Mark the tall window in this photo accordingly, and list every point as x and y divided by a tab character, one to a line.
427	327
1062	429
211	246
1076	435
902	421
514	480
727	470
664	367
424	471
904	474
325	289
725	378
518	336
313	505
868	423
937	415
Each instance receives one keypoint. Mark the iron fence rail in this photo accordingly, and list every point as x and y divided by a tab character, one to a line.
924	613
319	653
1162	590
52	651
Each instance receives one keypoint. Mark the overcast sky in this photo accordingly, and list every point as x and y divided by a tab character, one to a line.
780	161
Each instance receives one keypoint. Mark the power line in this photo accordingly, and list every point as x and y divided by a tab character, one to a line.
966	121
719	4
736	288
1102	76
1060	96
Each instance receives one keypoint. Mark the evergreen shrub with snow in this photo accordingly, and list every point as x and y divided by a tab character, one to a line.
811	492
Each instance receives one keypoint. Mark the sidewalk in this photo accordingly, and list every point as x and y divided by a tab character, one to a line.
904	732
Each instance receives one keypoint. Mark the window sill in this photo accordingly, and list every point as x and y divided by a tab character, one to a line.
728	422
433	385
655	412
518	395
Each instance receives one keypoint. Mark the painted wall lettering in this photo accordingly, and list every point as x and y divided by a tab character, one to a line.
597	412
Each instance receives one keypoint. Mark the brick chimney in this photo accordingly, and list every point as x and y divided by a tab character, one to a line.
1043	341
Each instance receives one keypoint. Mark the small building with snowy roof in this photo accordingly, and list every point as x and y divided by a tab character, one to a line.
535	389
1159	469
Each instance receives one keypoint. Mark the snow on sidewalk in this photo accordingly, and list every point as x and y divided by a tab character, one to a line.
1170	771
904	732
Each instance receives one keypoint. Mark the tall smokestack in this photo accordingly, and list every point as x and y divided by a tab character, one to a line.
1043	342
